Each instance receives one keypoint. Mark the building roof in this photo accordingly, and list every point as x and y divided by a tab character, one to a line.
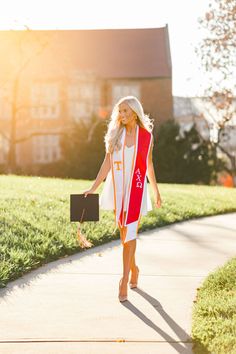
108	53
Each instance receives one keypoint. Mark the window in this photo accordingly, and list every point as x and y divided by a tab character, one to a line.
80	109
121	90
45	101
46	148
86	91
81	91
81	100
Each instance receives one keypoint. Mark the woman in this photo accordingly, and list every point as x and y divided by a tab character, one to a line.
129	144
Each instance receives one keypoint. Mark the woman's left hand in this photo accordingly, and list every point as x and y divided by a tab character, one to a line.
158	201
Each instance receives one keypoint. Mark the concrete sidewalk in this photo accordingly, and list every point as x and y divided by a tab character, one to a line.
71	305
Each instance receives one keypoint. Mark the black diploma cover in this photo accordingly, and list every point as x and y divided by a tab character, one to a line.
84	208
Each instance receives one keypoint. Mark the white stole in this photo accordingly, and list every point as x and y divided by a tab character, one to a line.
118	177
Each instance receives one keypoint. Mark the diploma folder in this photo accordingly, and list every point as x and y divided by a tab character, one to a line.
84	208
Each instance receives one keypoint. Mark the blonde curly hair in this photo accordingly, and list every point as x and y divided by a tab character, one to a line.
115	126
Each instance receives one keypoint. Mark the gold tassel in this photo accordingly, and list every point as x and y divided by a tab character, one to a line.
83	242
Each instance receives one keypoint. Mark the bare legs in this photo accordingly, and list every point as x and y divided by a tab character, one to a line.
129	249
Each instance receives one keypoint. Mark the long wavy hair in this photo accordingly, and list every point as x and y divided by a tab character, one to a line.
115	126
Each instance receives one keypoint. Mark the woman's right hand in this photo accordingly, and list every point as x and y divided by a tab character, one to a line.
89	191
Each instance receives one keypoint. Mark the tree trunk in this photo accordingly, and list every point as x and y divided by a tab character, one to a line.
11	168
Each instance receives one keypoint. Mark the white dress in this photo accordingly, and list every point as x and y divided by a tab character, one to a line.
106	199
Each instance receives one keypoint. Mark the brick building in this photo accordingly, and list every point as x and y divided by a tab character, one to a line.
50	78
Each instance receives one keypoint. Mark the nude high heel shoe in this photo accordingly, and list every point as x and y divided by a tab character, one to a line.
124	297
134	285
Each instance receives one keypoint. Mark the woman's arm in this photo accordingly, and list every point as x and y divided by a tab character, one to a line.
104	169
152	178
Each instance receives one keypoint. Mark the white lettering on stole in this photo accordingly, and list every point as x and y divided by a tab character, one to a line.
138	179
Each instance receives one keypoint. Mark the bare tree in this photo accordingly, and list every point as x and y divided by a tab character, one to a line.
217	51
28	45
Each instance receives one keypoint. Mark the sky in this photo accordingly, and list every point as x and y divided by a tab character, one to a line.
181	17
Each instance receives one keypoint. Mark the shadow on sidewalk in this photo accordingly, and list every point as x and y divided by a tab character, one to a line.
184	338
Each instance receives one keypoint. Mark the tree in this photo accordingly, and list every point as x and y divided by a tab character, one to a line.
83	148
27	45
217	52
184	157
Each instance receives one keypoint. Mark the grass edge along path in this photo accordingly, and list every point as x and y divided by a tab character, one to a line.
34	218
214	313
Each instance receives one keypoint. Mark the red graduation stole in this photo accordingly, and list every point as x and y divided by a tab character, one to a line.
138	174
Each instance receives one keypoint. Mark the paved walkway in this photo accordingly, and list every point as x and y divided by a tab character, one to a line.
71	305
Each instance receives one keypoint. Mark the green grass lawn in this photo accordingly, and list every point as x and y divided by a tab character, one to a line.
214	313
35	225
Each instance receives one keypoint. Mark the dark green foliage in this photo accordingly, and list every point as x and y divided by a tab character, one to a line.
83	148
177	158
184	158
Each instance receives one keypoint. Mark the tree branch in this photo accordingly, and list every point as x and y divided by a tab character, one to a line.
4	135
